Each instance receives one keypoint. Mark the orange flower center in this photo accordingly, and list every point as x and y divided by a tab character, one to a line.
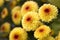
41	30
16	37
47	10
28	19
12	4
27	8
3	12
3	28
15	16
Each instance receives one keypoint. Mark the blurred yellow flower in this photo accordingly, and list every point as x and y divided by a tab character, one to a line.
13	4
42	32
4	13
16	8
58	37
18	34
16	15
47	38
47	12
29	6
30	21
1	2
5	27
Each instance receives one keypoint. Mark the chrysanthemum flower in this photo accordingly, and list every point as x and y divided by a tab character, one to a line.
47	38
30	21
4	13
17	8
58	37
16	15
13	4
5	27
1	2
18	34
42	31
29	6
47	12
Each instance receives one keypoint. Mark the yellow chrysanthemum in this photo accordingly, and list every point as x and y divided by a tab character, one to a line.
1	2
18	34
4	13
47	12
16	15
30	21
48	38
42	31
58	37
13	4
29	6
17	8
5	27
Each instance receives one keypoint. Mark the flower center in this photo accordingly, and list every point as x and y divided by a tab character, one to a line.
47	10
16	36
27	8
3	12
15	16
3	28
28	19
11	4
41	30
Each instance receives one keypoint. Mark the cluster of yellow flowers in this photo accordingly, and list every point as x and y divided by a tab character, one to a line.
29	16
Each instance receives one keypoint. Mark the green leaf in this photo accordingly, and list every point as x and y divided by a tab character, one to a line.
56	25
55	2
